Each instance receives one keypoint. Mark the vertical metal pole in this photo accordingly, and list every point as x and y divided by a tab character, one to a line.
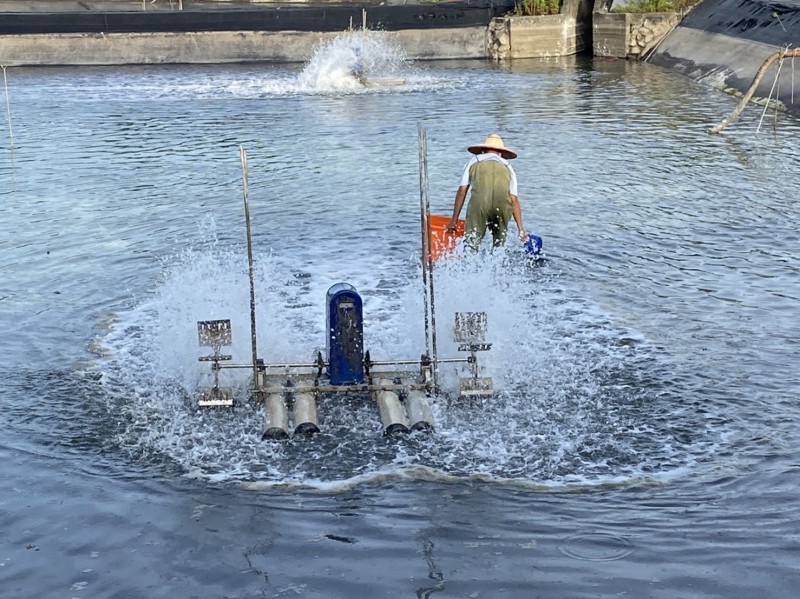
434	350
243	157
427	258
424	225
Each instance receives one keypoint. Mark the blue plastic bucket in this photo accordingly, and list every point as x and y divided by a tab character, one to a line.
533	246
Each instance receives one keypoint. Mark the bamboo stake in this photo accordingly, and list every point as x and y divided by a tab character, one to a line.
246	193
8	110
10	131
780	55
769	98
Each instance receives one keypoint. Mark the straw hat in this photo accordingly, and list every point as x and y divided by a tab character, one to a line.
493	142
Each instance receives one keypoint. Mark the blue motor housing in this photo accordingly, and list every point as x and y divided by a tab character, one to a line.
345	337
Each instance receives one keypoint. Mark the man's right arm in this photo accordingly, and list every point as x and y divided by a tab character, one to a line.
461	195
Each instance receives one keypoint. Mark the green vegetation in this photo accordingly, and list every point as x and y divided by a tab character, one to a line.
525	8
656	6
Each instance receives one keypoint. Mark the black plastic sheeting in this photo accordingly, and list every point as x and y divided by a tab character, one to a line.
773	23
305	18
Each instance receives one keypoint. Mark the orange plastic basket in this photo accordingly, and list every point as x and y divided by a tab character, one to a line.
443	242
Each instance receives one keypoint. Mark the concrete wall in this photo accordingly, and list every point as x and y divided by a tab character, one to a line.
533	37
627	35
218	47
446	31
610	34
542	36
109	32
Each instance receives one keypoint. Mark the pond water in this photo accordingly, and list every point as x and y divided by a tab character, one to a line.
643	439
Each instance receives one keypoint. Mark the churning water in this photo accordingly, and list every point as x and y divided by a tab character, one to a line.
646	373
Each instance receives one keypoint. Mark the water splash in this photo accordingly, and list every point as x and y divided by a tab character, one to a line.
579	401
346	60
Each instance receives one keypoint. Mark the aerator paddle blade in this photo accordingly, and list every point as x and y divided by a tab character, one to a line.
470	327
476	387
208	397
214	333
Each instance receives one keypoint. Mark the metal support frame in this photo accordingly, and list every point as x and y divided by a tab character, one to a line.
397	376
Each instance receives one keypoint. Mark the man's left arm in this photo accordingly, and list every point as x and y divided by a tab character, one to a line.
516	209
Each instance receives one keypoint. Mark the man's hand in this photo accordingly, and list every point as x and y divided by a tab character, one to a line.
451	227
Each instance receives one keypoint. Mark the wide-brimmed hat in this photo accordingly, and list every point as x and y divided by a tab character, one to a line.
493	142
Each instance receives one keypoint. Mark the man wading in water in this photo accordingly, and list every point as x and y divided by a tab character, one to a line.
493	200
